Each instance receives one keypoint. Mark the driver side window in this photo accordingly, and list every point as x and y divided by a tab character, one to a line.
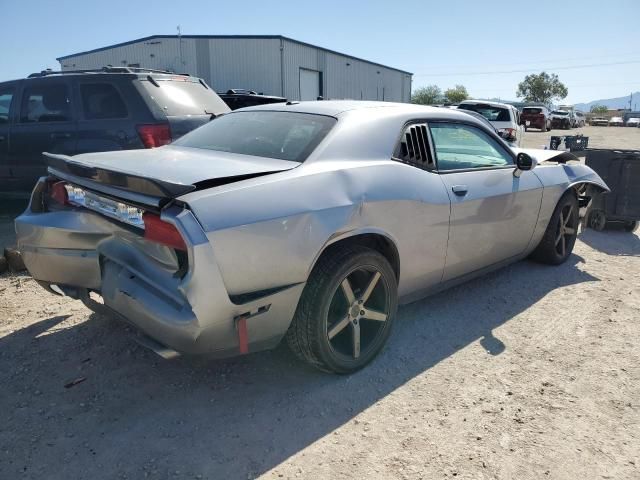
459	146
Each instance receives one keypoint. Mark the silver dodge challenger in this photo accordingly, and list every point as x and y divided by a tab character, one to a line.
309	221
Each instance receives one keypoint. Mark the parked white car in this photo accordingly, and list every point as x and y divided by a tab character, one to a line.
633	122
616	122
505	118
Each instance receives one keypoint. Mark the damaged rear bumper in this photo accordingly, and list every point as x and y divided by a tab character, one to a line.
78	251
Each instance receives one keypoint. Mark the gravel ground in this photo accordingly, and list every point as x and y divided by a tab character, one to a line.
599	137
530	372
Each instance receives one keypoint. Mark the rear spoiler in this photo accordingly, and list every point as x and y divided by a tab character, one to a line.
123	185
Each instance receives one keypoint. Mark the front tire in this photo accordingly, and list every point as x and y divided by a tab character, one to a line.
631	226
560	237
346	311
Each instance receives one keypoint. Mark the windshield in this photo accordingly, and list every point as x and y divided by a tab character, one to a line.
281	135
531	110
560	112
185	96
493	114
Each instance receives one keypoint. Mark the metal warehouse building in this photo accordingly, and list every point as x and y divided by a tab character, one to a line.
269	64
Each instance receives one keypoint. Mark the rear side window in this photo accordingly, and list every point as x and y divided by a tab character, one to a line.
184	97
6	95
102	101
46	103
413	148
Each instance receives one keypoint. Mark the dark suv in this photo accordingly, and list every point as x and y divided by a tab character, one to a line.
94	111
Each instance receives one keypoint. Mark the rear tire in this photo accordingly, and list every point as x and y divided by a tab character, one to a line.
560	237
346	311
597	220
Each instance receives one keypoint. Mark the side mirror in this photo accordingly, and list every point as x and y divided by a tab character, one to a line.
524	162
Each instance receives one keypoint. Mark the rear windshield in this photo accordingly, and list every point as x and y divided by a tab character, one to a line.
281	135
531	110
559	112
493	114
184	96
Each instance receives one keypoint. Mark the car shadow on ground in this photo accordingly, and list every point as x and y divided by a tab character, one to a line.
612	241
132	413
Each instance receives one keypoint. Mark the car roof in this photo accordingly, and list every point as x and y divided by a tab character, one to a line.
486	102
337	108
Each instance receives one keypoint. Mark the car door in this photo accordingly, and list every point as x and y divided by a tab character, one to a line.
45	123
493	212
7	95
105	122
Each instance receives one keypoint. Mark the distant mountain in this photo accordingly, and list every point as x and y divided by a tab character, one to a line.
612	103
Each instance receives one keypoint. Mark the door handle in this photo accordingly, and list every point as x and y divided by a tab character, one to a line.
2	138
58	135
460	190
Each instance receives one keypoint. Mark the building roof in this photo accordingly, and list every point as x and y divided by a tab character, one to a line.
264	37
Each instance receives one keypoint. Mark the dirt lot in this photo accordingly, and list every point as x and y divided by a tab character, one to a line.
531	372
599	137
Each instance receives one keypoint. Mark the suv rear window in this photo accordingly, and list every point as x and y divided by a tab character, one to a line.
282	135
532	110
184	96
101	101
493	114
560	112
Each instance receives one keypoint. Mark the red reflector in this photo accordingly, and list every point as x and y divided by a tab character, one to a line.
59	193
243	336
154	135
155	230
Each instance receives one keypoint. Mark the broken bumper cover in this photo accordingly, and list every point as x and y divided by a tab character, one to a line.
81	251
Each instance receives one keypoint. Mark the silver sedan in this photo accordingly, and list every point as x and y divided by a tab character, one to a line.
305	221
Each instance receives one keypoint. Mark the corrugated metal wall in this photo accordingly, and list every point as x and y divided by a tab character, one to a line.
270	66
161	54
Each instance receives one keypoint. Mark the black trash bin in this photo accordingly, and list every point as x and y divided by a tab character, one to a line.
575	143
555	142
620	169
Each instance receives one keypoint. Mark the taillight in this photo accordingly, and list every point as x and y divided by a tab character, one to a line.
58	192
156	230
507	133
154	135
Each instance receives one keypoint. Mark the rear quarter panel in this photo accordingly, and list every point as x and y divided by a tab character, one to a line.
269	232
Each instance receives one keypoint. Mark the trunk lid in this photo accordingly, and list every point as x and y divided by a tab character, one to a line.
165	172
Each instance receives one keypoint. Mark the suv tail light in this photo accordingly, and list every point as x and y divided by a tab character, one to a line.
154	135
156	230
58	192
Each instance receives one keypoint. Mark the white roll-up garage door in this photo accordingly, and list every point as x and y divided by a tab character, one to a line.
309	84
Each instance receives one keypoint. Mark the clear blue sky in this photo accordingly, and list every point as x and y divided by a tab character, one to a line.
444	42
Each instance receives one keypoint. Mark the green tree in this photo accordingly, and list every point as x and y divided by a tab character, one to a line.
456	94
542	87
599	109
428	95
